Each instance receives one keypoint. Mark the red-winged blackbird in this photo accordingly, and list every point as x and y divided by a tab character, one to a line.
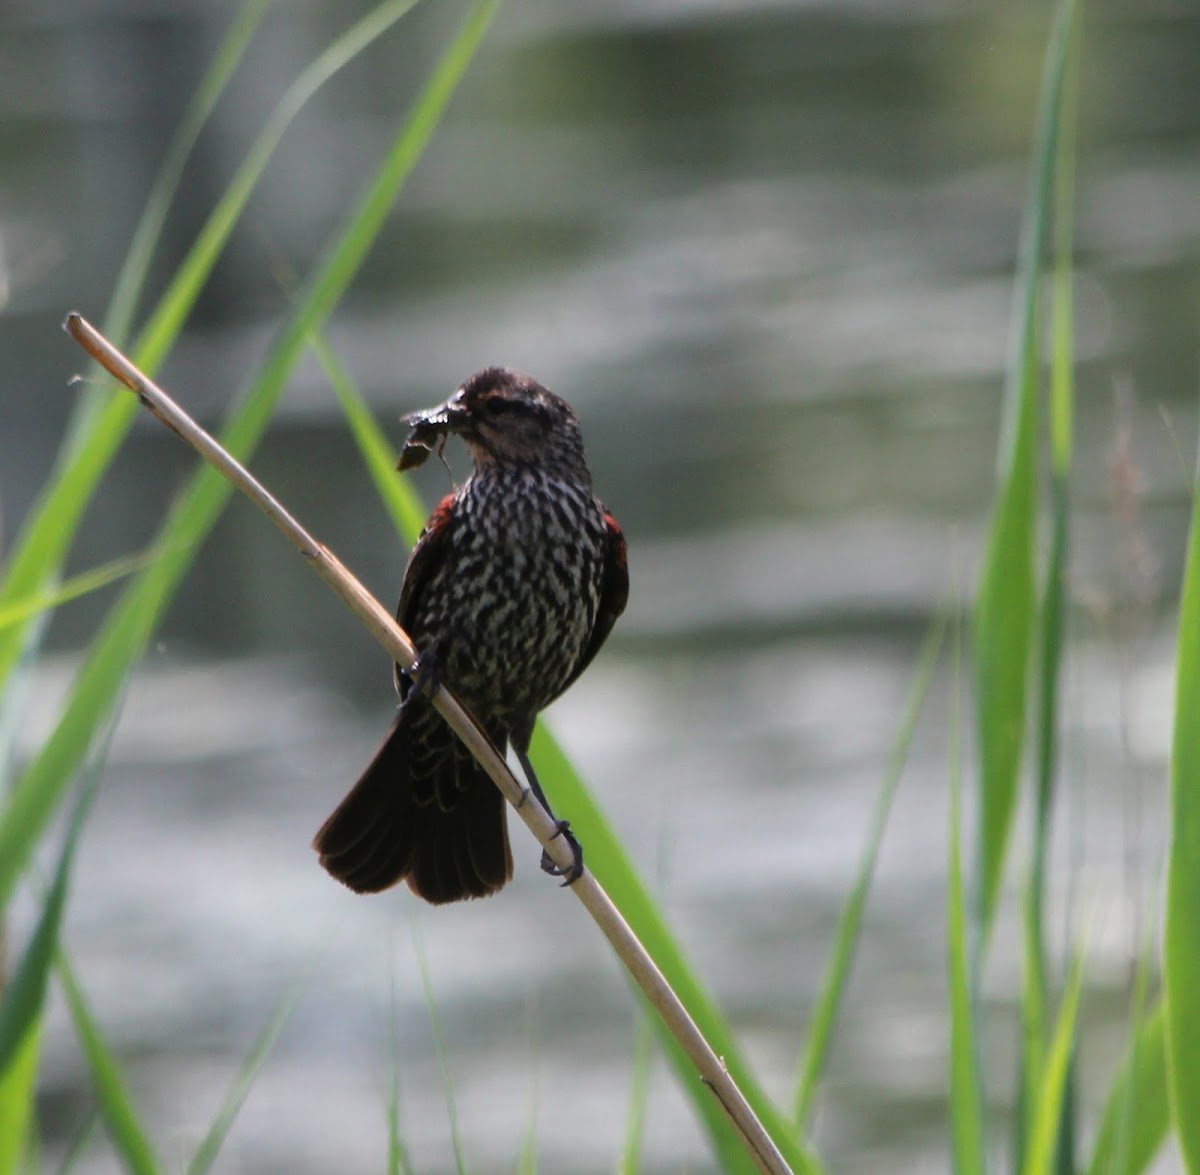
513	586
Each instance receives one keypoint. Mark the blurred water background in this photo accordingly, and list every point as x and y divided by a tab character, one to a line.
766	250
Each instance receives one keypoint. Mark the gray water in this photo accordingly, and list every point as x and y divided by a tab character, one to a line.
766	250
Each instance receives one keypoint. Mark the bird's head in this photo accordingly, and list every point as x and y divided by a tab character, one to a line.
505	418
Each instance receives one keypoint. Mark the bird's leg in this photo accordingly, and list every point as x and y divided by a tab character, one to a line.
575	870
424	678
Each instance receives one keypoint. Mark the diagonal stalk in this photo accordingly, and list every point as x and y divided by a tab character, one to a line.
379	623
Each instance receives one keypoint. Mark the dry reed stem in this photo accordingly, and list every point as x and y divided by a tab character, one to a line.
383	627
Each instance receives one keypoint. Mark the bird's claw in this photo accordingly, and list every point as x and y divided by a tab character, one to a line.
425	677
572	872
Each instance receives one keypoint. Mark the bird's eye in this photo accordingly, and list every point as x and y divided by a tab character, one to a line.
497	406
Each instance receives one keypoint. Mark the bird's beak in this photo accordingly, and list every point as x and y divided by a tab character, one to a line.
428	430
446	417
455	413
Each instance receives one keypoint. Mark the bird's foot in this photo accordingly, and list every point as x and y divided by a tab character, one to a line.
572	872
425	677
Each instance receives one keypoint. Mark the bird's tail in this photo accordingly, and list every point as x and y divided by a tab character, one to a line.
423	812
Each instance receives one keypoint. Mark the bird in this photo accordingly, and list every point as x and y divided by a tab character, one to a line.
513	586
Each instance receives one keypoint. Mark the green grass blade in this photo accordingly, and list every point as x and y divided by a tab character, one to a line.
1034	993
235	1097
24	995
1066	1155
1053	624
397	1155
398	1161
51	525
18	1090
127	289
1032	1058
527	1156
1053	1101
128	1136
1181	943
163	328
79	585
829	1001
966	1083
966	1095
348	253
527	1159
639	1094
1006	608
395	490
46	534
1136	1115
439	1044
23	998
92	699
607	859
118	322
124	636
78	1145
1062	321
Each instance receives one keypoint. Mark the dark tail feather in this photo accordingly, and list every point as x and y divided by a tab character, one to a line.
380	834
463	852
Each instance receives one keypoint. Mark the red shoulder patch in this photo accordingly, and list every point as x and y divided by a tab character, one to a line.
425	556
440	517
616	539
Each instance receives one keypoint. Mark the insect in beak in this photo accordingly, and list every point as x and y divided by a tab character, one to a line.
429	433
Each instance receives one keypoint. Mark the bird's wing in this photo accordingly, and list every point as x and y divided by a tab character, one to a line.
614	593
429	552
